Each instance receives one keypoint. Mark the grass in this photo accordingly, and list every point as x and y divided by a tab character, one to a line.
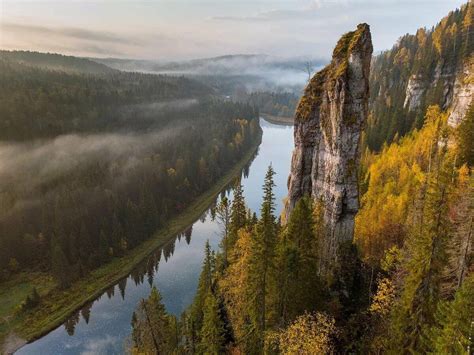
15	290
57	305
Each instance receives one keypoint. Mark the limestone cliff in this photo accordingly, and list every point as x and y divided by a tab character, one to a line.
328	123
463	93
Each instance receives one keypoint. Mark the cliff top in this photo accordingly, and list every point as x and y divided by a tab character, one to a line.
350	42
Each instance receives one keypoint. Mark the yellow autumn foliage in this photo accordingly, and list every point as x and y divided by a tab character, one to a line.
383	300
394	176
308	334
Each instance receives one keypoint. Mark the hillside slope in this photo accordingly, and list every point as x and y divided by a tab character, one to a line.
431	67
54	61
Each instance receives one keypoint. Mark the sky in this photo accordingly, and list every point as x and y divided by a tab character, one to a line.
184	29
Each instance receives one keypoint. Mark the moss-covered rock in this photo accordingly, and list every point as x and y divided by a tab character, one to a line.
328	122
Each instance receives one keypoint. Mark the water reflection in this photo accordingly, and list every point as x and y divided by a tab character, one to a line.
103	326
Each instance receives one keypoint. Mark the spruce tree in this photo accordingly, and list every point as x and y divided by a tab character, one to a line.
298	264
223	215
238	217
59	265
212	330
204	287
153	329
465	138
454	329
265	238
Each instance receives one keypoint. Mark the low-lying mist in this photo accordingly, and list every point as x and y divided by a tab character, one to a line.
33	170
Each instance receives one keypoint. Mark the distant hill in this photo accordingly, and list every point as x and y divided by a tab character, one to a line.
229	74
59	95
57	62
238	64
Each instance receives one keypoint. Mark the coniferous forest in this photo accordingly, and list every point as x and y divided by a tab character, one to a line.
129	167
404	286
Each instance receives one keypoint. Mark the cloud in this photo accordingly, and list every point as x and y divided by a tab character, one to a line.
101	345
272	15
77	33
173	30
68	40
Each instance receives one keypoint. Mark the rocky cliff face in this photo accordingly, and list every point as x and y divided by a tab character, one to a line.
415	90
456	87
432	67
463	93
328	124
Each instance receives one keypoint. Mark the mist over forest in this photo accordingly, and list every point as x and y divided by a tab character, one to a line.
287	177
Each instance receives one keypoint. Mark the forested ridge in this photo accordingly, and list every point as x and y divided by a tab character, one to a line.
39	102
420	70
93	164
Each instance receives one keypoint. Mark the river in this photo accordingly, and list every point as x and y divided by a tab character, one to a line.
104	326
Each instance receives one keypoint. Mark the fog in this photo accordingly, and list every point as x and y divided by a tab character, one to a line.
29	171
265	73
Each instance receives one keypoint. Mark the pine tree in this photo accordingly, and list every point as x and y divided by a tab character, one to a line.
204	287
212	331
238	217
454	331
153	329
264	246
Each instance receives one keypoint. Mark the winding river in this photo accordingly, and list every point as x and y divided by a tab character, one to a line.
103	326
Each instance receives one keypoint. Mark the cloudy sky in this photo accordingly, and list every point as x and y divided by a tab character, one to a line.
183	29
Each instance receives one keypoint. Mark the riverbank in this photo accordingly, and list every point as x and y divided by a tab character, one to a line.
286	121
57	305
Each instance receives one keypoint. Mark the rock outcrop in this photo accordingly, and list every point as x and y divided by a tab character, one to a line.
463	93
416	88
328	124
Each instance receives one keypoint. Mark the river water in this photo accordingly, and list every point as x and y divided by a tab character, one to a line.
104	326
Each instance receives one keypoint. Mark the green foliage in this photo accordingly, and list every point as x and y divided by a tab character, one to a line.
465	138
153	330
265	237
212	330
454	328
30	302
60	266
281	104
297	265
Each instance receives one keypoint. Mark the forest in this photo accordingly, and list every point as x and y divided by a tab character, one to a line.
428	60
406	285
134	149
39	102
97	162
